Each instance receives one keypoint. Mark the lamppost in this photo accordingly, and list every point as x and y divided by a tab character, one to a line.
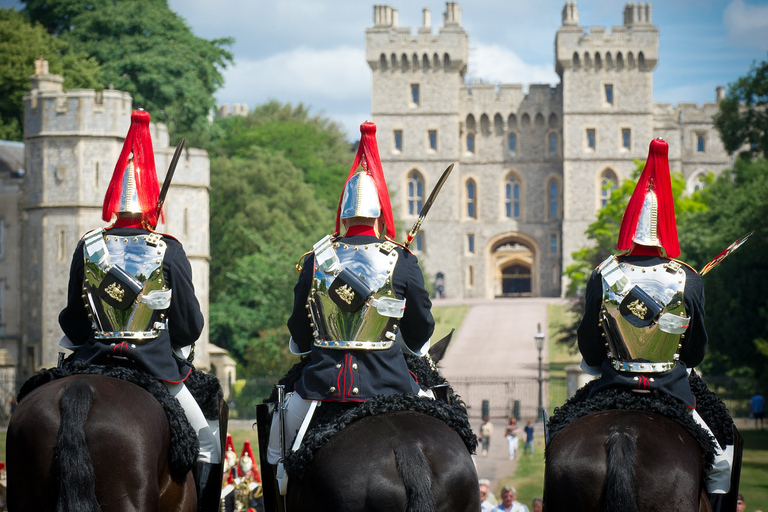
539	339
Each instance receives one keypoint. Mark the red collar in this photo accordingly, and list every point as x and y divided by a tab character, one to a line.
128	222
360	230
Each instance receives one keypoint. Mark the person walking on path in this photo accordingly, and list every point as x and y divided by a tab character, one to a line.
486	431
757	408
510	434
528	448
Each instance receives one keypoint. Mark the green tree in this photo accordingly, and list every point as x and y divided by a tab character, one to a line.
21	43
743	115
146	49
313	144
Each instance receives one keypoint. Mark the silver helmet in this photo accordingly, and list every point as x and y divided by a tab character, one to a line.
360	199
129	195
646	232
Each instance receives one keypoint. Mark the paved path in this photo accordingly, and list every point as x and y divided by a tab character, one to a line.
505	330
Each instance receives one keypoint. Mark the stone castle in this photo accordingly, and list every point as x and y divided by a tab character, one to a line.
51	191
532	167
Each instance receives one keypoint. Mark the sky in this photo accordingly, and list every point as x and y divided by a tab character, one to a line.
313	51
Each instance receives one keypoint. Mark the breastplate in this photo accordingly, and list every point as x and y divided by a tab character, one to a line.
643	314
373	324
132	305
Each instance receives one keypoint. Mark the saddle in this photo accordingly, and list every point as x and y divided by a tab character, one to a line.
709	407
184	444
332	417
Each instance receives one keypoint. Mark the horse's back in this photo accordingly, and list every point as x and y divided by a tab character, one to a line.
381	462
126	437
604	459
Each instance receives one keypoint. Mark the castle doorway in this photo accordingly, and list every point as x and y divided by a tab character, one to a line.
513	263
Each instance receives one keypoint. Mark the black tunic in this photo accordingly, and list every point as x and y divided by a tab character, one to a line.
372	372
156	357
673	382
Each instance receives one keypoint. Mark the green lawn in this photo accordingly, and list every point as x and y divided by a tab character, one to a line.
447	318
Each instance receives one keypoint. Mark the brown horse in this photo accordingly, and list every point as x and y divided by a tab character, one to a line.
628	461
91	443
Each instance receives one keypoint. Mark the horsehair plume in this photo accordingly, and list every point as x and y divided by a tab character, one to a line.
72	465
414	470
369	149
655	177
619	494
138	143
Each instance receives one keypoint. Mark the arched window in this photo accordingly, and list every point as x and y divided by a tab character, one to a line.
393	60
512	197
640	61
485	125
526	120
608	182
553	120
404	62
415	61
598	61
435	61
630	60
425	61
446	61
383	62
553	144
471	124
553	197
587	61
512	142
471	191
608	60
539	120
619	61
415	192
576	61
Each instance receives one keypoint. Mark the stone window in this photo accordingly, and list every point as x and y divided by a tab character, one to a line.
619	61
700	143
393	60
425	61
591	139
446	61
485	125
512	142
498	125
576	61
471	243
555	275
470	276
512	122
383	62
471	193
608	182
553	144
553	200
398	140
415	95
626	138
432	136
415	192
404	62
512	197
553	244
608	88
470	142
418	242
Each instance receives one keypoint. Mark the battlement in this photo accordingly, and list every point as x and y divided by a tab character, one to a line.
389	47
633	46
236	109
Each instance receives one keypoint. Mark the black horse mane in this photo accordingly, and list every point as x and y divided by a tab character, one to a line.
331	417
184	443
709	407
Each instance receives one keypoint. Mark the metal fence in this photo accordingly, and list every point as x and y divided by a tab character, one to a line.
505	396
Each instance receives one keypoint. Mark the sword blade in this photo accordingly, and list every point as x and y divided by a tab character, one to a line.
728	250
425	209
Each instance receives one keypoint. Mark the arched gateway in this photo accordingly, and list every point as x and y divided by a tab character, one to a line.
513	263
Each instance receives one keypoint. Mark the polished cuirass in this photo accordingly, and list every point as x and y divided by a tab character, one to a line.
124	287
352	303
643	314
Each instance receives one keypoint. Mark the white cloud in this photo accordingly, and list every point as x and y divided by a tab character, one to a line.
747	25
495	64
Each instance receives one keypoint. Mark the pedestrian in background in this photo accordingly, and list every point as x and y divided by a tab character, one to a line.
510	434
486	431
528	448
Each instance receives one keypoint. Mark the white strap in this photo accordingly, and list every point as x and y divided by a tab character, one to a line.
304	425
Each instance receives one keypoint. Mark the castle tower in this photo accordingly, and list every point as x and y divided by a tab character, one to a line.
416	84
608	110
72	141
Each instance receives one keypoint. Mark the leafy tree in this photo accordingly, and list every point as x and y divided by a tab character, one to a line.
146	49
737	306
21	43
743	116
313	144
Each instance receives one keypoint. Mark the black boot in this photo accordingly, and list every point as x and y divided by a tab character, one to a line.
208	484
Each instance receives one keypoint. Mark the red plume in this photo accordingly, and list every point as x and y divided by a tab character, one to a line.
370	149
139	143
655	176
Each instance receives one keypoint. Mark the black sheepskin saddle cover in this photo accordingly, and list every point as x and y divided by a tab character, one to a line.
184	443
712	410
331	417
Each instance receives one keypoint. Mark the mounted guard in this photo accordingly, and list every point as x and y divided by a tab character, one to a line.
131	301
643	324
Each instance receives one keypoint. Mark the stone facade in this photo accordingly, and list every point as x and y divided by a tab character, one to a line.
71	143
532	168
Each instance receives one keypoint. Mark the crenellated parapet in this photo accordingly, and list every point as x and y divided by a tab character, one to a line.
633	46
390	48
